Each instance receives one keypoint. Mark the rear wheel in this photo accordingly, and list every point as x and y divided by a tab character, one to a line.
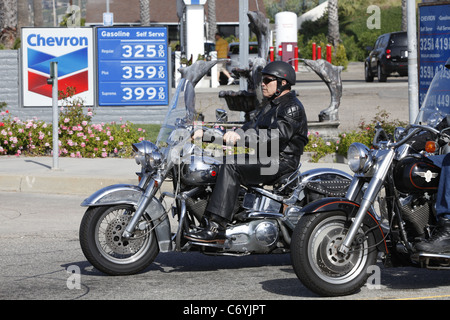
317	262
381	76
102	243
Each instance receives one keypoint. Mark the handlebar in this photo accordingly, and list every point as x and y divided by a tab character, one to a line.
416	129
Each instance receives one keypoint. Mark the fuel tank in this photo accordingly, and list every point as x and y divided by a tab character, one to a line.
413	175
200	171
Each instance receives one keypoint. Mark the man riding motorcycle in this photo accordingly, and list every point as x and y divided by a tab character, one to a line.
284	119
439	242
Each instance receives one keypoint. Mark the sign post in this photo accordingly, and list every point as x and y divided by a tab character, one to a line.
413	89
53	81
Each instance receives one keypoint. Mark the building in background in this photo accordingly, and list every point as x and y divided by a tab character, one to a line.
165	13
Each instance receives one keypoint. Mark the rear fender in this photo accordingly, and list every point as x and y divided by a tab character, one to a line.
350	208
314	173
131	194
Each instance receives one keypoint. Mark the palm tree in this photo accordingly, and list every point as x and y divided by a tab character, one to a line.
8	14
8	22
212	22
333	23
22	15
145	12
38	15
404	16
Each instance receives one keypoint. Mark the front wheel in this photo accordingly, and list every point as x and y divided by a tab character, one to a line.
102	243
317	262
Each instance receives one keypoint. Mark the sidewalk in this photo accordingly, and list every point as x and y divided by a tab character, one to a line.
80	176
74	176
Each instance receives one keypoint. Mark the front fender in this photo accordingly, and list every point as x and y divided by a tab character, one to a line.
113	195
130	194
350	208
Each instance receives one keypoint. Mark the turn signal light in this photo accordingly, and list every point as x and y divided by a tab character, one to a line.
430	147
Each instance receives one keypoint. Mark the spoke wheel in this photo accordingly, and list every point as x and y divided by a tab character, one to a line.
103	245
109	237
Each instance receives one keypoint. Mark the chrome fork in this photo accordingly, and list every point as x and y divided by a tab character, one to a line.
368	198
144	201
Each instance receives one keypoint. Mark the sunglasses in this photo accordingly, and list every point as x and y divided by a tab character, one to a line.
268	80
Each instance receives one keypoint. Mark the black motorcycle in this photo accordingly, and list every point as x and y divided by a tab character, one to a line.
389	207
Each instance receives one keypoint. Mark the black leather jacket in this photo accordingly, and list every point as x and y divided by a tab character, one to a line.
287	115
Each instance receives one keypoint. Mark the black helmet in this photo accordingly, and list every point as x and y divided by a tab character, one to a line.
280	69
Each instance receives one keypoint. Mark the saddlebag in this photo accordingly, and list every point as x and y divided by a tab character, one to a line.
327	188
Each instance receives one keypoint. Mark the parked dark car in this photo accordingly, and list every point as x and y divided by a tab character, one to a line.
388	57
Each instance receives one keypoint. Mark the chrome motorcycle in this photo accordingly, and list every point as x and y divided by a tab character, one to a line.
389	206
126	226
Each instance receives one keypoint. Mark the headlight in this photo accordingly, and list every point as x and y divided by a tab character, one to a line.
358	156
147	154
153	159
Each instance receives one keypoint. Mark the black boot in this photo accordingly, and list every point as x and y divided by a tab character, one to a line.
439	242
213	232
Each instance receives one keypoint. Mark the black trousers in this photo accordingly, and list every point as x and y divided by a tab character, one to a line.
232	174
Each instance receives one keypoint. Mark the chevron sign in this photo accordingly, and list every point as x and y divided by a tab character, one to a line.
72	48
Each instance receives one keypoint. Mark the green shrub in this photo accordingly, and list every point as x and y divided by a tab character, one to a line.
365	134
319	147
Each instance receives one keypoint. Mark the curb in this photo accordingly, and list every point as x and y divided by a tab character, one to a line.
57	185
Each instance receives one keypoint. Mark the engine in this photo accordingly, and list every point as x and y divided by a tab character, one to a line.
256	236
417	214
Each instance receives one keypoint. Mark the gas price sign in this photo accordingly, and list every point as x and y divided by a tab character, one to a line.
434	42
132	66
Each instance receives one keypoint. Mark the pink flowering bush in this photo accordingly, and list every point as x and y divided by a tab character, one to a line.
319	146
78	136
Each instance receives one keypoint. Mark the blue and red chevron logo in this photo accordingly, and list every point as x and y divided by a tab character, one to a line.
72	71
